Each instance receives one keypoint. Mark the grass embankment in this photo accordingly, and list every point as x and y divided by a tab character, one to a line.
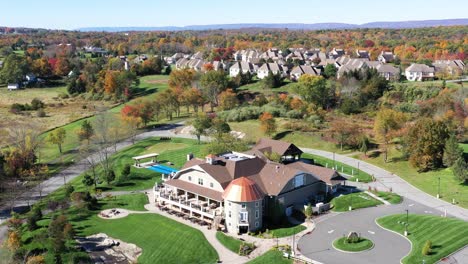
135	202
361	245
229	242
340	167
272	256
446	234
450	187
392	198
355	200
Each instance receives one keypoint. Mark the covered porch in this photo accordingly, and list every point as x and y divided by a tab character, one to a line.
190	200
152	161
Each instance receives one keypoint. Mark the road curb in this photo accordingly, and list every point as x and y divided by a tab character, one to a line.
411	243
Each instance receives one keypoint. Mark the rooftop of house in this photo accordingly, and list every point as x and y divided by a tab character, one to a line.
269	176
415	67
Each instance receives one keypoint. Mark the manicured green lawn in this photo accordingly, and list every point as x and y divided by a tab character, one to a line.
287	231
135	202
362	245
272	256
446	234
162	239
340	167
450	187
392	198
229	242
356	200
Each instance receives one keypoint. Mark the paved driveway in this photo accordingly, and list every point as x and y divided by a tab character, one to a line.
389	247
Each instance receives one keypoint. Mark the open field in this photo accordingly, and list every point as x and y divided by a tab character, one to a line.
59	111
135	202
355	200
446	234
49	153
257	86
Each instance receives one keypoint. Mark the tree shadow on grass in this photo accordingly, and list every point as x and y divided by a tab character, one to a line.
125	184
281	135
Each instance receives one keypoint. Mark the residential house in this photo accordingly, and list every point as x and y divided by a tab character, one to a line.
363	54
249	55
174	58
346	65
336	53
197	56
220	65
449	67
300	70
194	64
419	72
241	66
386	57
240	190
274	68
389	72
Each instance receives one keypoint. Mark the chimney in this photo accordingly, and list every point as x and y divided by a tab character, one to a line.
189	156
210	159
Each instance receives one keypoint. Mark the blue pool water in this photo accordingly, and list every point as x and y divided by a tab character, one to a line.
162	169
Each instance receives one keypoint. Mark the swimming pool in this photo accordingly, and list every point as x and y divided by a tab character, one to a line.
162	169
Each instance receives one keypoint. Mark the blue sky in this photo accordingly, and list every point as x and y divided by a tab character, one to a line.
63	14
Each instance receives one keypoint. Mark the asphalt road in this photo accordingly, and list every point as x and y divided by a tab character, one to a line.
388	247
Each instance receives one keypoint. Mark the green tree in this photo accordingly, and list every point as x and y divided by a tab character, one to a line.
425	141
57	137
126	172
88	180
364	145
200	125
272	80
330	71
110	177
14	69
313	89
212	83
452	151
460	170
86	131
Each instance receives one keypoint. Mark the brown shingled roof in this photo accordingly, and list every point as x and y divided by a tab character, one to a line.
271	145
194	188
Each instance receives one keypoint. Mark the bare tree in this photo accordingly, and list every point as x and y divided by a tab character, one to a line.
103	140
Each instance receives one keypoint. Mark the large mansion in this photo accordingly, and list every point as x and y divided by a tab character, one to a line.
241	190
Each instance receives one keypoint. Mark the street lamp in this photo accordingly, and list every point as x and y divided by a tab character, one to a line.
406	224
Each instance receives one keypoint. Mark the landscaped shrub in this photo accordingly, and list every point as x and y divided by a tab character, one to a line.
36	104
246	248
427	249
294	114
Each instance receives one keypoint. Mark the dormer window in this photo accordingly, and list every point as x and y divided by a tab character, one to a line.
200	181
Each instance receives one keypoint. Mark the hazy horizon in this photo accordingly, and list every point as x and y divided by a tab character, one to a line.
54	14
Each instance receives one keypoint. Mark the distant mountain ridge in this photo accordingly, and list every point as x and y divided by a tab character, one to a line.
293	26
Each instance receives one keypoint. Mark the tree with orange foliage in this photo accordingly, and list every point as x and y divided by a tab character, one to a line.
208	67
62	67
181	78
228	99
14	241
267	123
110	82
